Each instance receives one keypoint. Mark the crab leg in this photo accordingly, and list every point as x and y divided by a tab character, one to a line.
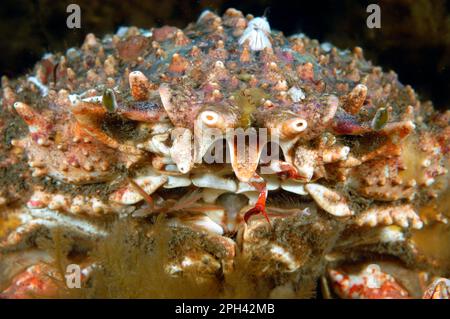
36	220
260	206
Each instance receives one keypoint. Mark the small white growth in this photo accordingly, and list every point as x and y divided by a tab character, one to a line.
326	46
74	99
47	56
43	88
122	31
98	99
72	54
187	262
146	33
296	94
257	34
173	269
373	281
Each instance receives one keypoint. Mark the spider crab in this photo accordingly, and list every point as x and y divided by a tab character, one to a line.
319	157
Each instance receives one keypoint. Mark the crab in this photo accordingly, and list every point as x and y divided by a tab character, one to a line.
295	156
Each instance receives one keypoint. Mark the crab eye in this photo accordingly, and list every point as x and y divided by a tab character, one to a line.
299	125
210	118
294	126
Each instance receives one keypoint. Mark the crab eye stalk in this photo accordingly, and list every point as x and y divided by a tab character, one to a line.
210	118
294	126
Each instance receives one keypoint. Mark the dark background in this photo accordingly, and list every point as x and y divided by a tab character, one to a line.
414	39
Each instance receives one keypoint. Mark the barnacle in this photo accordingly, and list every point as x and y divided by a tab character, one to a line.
233	155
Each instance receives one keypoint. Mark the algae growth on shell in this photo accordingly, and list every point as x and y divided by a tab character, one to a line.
104	165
